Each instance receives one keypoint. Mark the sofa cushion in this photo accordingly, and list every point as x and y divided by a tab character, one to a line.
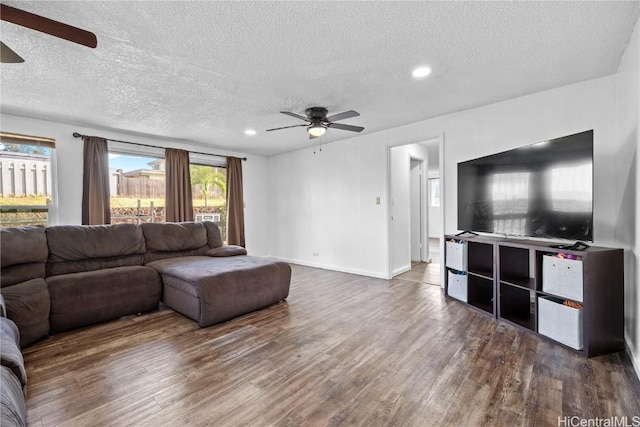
80	299
23	245
231	250
78	248
28	305
13	410
23	252
10	355
214	237
19	273
169	240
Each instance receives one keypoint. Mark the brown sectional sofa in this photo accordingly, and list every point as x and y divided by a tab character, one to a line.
103	268
62	277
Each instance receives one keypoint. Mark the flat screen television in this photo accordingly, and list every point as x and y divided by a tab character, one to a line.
540	190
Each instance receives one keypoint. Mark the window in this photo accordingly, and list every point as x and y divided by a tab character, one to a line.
26	184
137	185
434	192
209	191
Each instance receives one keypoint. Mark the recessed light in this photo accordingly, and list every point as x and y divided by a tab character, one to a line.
421	72
250	132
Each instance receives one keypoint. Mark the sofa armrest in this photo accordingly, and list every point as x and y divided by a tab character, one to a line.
10	355
13	410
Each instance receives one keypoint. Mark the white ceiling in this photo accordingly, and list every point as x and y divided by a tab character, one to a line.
203	72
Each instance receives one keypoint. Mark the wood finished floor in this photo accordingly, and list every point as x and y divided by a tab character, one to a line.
422	272
343	350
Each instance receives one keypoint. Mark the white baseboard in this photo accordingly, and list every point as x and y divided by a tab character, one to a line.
377	275
401	270
634	362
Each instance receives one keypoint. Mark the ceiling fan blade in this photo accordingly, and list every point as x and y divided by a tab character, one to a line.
297	116
48	26
285	127
345	127
8	56
342	116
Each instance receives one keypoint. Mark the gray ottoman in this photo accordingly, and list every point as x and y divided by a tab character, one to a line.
211	290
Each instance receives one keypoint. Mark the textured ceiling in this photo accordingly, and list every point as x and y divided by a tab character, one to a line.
204	72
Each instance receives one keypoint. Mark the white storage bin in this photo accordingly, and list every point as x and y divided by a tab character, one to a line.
560	322
456	255
457	286
562	277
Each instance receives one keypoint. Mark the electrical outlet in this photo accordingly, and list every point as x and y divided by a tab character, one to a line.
316	254
377	200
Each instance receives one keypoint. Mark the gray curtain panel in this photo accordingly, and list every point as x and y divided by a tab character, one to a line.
179	202
235	202
95	182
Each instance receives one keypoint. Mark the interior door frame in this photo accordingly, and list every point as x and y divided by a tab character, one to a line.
440	138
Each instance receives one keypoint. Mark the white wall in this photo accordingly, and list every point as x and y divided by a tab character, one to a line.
628	186
257	196
325	204
68	170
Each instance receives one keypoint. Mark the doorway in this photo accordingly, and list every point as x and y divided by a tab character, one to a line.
408	211
415	237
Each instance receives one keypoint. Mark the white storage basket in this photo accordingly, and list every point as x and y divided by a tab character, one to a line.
562	277
560	322
457	286
456	255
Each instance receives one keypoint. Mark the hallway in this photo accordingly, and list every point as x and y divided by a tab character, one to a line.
423	272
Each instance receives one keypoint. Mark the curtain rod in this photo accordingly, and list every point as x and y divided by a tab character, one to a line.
78	135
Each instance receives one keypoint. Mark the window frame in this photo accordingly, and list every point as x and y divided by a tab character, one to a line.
432	182
33	140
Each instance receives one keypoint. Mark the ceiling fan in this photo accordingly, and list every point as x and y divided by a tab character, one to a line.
318	122
44	25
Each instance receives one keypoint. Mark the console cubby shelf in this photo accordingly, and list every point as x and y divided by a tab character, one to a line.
480	259
576	303
480	271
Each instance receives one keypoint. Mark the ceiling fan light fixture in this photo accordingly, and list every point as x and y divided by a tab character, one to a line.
316	130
